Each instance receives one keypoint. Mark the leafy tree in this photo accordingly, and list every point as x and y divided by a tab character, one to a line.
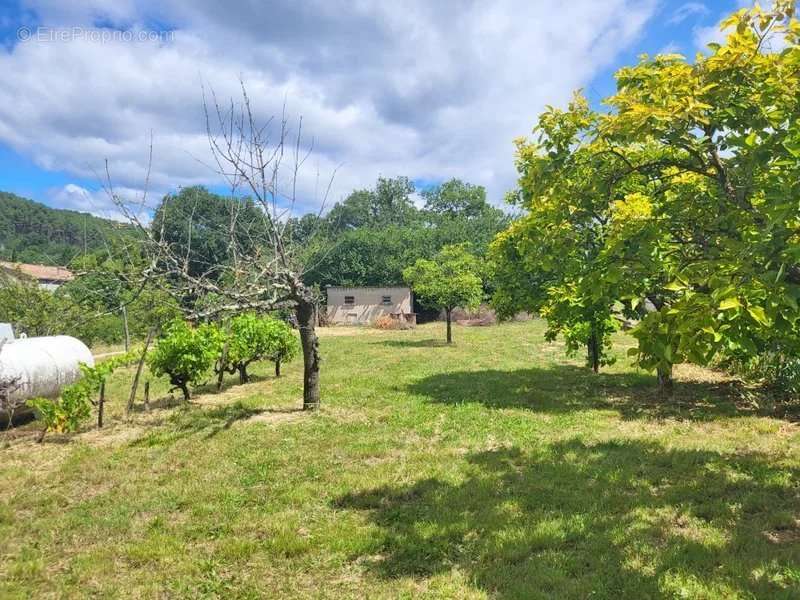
186	354
455	198
252	338
389	203
32	309
692	181
458	213
553	260
449	280
365	243
284	344
199	224
370	256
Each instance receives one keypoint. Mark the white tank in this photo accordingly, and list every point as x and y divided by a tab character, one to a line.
42	365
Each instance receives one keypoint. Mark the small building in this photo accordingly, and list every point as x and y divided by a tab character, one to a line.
48	277
362	305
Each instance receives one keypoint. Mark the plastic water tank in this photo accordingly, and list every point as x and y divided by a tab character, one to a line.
41	366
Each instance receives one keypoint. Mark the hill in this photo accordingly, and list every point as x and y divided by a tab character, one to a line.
34	233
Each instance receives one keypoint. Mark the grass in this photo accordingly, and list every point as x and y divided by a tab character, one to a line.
495	468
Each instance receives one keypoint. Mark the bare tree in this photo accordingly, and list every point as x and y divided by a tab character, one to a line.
262	269
9	385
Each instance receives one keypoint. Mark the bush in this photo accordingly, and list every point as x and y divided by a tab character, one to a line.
186	354
776	370
74	406
252	338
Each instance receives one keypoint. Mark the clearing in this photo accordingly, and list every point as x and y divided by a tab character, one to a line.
495	468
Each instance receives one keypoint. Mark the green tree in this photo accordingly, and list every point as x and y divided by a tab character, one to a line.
458	213
31	309
451	279
252	338
201	226
692	179
389	203
553	259
186	354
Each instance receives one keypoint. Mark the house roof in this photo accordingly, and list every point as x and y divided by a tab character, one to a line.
39	272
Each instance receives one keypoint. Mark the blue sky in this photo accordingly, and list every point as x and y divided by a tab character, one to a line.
427	92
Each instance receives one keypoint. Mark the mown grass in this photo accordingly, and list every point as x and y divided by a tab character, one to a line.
495	468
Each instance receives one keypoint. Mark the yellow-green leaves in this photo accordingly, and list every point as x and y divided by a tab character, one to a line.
686	193
730	304
757	312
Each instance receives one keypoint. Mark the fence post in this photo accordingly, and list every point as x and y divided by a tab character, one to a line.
147	395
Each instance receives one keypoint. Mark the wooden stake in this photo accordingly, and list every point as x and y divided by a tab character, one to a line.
147	395
135	384
100	404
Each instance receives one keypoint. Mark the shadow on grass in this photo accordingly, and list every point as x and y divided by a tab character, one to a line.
230	381
196	420
565	388
611	520
426	343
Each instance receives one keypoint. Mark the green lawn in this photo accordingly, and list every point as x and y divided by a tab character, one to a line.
495	468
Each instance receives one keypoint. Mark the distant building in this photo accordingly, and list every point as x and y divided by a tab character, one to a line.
362	305
48	277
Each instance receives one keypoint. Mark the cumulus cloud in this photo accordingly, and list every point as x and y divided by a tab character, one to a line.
100	203
431	90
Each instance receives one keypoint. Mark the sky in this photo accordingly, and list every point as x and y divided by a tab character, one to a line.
428	90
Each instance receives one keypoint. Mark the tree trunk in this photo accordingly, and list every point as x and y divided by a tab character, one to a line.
448	313
183	387
127	330
593	347
223	359
135	385
243	378
100	404
278	368
665	382
306	316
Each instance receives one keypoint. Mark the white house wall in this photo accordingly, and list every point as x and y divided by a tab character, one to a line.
368	304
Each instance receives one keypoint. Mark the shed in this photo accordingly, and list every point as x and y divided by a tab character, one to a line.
362	305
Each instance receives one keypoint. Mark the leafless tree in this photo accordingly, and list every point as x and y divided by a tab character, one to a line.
262	270
9	385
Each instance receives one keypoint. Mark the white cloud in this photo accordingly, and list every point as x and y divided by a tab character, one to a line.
99	202
670	48
427	90
689	9
703	36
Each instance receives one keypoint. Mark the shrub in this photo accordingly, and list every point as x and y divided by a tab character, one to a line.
777	370
65	414
186	354
252	338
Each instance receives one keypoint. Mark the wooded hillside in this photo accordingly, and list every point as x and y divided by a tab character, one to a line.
34	233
